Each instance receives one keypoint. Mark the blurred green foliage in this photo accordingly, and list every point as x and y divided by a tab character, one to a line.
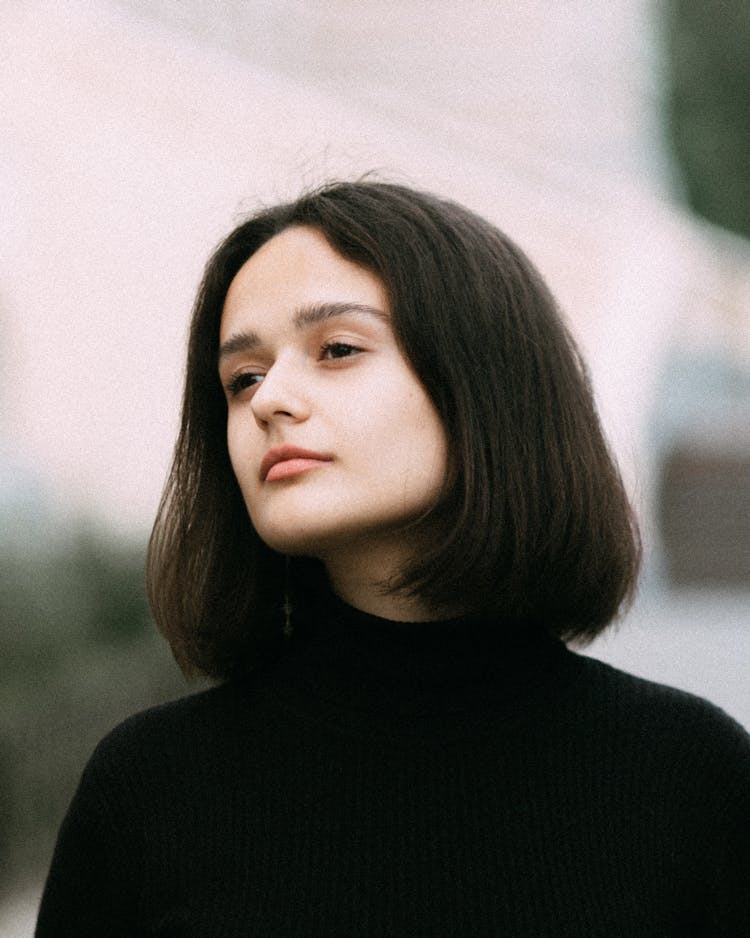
708	105
78	653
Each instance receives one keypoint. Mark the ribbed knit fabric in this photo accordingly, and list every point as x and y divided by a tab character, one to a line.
463	778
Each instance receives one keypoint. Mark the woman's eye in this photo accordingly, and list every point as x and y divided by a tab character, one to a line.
240	382
338	350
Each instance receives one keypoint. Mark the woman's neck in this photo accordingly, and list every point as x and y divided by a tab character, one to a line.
362	582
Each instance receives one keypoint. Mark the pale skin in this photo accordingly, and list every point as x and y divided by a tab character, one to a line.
308	360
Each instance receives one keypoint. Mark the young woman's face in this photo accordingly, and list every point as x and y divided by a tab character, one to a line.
334	442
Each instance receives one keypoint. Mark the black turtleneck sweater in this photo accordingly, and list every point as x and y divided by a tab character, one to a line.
462	778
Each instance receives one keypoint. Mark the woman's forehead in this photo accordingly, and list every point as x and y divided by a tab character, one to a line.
294	275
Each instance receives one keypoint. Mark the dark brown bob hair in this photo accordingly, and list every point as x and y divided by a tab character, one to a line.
535	522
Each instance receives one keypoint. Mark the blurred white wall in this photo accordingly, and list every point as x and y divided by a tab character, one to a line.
135	134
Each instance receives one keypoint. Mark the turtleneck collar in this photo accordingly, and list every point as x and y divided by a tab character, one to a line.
363	673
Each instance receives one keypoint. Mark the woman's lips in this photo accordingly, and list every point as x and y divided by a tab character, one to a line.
292	467
283	462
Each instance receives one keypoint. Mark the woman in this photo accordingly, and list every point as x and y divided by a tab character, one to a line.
391	504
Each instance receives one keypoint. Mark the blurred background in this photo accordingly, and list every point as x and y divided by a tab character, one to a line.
610	140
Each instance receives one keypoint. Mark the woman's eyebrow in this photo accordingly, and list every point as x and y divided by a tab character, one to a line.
238	342
319	312
303	318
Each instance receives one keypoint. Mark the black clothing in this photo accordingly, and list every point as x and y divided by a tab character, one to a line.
463	778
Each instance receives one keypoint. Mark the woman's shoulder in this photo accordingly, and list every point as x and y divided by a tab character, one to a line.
631	691
170	716
671	723
174	736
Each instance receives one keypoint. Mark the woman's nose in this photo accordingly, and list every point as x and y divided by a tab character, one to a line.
278	396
